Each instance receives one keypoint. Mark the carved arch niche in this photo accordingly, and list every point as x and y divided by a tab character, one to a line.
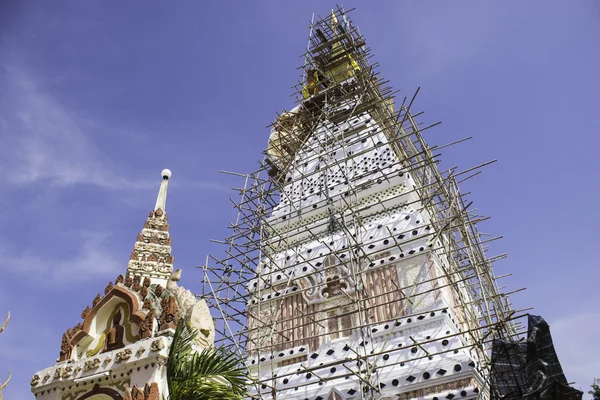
100	397
117	316
98	393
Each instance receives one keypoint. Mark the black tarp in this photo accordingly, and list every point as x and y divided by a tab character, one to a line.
529	369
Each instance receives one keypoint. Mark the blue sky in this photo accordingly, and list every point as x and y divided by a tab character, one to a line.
96	98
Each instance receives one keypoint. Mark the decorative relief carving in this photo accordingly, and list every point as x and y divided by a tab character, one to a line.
134	393
157	345
332	279
140	351
77	328
142	248
161	361
199	318
96	300
158	291
170	313
158	224
136	283
418	271
164	304
67	372
185	298
65	347
91	364
163	267
194	311
34	380
309	286
120	279
58	372
261	334
85	312
147	304
147	325
108	288
128	281
123	355
150	392
334	287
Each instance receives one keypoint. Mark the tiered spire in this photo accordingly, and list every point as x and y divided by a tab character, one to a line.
151	256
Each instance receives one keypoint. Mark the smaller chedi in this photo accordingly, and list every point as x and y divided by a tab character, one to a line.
120	349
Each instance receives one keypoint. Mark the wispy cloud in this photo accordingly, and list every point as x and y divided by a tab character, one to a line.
93	258
49	141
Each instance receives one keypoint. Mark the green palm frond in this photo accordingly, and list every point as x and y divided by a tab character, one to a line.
210	374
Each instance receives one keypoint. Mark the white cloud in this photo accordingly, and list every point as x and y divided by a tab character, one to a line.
49	140
92	259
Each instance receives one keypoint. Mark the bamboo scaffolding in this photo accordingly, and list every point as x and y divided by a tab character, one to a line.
260	322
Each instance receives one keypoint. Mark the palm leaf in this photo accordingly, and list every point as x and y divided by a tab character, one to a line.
210	374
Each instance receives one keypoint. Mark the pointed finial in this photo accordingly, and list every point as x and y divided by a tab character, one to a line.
333	21
161	200
334	25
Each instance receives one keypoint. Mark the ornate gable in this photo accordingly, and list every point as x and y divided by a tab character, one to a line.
118	348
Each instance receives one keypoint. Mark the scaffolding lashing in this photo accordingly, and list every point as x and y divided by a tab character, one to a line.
354	269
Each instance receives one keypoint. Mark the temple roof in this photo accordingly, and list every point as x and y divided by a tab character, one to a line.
131	324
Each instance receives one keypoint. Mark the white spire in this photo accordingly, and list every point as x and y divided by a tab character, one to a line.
161	199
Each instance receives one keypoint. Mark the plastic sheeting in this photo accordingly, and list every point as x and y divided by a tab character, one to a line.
529	369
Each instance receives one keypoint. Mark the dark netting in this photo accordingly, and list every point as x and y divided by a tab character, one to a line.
508	368
530	369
